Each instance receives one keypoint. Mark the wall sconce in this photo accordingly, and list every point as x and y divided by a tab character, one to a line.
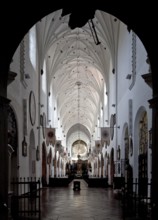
150	138
93	31
116	127
41	72
27	76
128	76
126	140
118	152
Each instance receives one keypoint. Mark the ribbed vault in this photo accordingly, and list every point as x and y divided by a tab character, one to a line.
72	57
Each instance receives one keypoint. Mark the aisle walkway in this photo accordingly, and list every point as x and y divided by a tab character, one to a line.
64	203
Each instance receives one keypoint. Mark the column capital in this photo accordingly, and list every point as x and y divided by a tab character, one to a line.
153	102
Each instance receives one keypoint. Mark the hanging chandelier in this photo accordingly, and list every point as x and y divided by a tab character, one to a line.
78	83
93	31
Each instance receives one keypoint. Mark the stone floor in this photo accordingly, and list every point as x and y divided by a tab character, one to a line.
64	203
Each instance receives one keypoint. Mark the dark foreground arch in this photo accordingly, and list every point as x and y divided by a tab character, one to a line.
17	18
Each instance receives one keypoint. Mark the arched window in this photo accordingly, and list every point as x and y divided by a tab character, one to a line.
32	46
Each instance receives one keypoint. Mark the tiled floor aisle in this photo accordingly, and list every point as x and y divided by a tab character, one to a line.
64	203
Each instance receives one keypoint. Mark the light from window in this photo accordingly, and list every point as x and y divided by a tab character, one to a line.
32	46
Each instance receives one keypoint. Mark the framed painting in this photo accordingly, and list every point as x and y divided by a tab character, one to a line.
24	148
32	107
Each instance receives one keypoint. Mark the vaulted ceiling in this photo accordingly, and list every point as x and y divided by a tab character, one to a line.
78	67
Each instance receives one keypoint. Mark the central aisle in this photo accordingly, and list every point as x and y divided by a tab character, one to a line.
63	203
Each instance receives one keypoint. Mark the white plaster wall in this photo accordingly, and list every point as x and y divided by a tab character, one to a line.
16	93
111	97
140	93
